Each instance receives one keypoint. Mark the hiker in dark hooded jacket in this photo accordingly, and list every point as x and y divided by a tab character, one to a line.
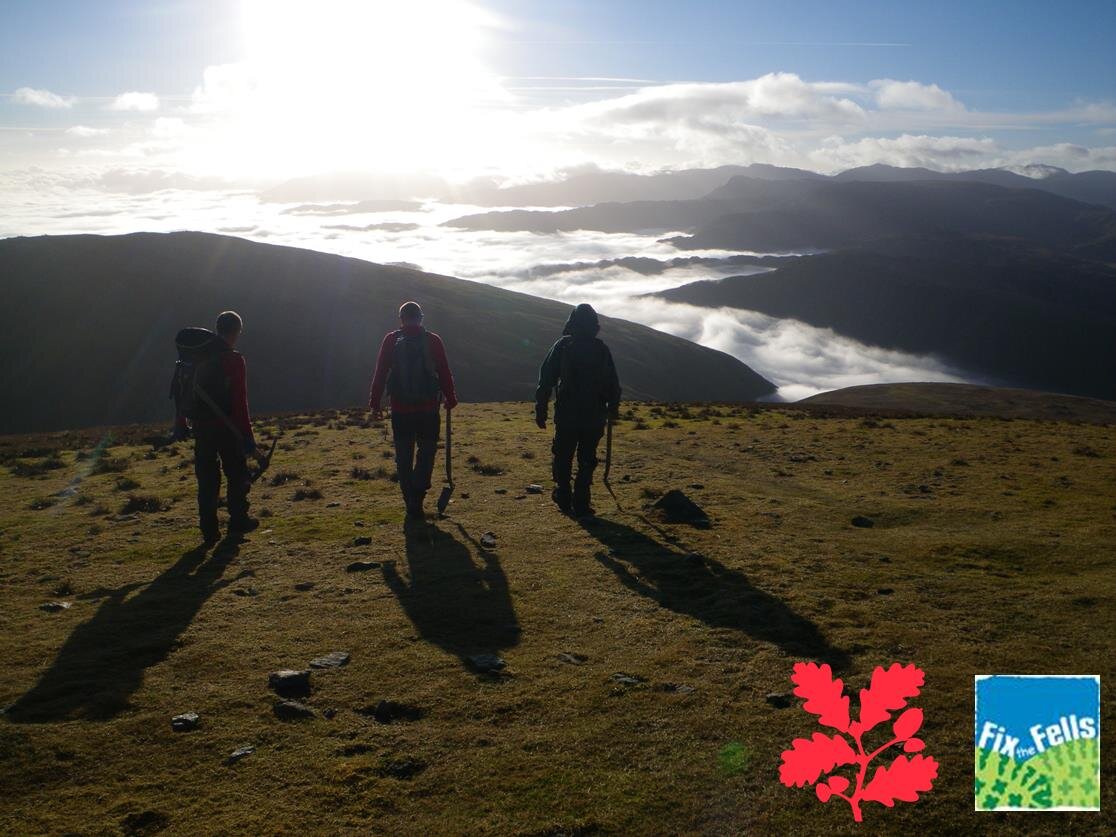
580	367
413	368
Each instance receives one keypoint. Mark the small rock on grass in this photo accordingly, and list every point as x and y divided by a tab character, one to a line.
780	700
534	489
334	659
290	683
239	753
487	663
572	658
55	607
362	566
362	541
303	586
185	722
488	540
292	710
862	522
626	679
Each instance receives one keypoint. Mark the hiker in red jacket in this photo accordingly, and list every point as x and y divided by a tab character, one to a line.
219	446
412	366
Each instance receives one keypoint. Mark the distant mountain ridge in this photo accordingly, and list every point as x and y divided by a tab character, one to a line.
88	324
583	188
1022	317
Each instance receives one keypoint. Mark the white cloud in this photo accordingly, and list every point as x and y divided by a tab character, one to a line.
136	101
86	131
41	98
168	127
945	153
912	95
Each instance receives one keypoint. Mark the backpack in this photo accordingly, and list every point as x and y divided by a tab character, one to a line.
198	373
583	376
413	378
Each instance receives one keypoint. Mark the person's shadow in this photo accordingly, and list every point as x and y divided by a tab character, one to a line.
103	661
456	601
705	589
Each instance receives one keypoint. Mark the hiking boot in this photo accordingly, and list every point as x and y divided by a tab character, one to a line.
584	512
210	536
562	500
241	527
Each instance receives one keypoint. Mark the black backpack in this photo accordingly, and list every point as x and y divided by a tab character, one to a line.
199	387
413	378
583	375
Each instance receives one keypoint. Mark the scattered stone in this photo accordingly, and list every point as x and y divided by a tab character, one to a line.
334	659
55	607
330	713
363	540
676	507
501	491
780	700
389	711
487	663
358	524
245	591
362	566
697	486
885	591
292	710
626	679
333	505
185	722
572	658
239	753
863	522
534	489
290	683
303	586
488	540
464	495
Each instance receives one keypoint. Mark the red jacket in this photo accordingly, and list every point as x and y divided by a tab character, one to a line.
384	363
236	371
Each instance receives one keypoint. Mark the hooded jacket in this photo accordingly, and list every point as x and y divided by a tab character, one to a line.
580	367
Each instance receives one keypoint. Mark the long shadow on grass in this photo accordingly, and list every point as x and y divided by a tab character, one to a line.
102	662
455	593
709	591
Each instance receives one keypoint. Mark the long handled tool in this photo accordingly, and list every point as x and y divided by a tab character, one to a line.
608	464
447	492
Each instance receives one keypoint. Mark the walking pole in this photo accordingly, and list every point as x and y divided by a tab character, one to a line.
447	492
608	464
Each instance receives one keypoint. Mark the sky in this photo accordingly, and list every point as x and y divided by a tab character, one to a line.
119	116
251	91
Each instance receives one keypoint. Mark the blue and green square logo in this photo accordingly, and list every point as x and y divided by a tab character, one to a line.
1037	742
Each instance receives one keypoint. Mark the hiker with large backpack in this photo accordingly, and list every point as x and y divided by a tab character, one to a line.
579	366
210	392
413	368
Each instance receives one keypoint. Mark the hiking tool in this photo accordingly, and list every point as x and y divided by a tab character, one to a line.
608	464
447	492
264	461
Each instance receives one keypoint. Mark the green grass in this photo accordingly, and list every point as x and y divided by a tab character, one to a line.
1001	564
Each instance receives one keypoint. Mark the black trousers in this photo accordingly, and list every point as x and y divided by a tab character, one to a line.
578	440
217	449
416	442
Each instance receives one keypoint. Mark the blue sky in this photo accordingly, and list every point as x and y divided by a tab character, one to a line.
947	84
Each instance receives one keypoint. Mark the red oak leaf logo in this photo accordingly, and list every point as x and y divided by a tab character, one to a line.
821	754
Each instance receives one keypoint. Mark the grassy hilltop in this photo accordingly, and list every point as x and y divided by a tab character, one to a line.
992	550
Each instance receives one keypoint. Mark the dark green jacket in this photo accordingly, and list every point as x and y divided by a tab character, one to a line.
580	368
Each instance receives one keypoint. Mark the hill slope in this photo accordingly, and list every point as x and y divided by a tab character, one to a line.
992	550
313	323
1019	316
936	398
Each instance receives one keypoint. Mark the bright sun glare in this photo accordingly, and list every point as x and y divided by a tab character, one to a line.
378	84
